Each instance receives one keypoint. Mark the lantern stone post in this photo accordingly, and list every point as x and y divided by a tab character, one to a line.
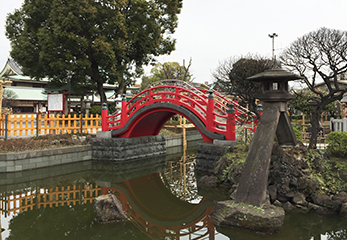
274	121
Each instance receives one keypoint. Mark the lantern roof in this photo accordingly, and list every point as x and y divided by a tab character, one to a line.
279	75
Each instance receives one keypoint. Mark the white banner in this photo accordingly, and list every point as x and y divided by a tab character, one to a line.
55	102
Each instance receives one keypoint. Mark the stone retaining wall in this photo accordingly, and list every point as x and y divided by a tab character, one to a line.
120	149
14	162
115	149
207	156
176	140
174	143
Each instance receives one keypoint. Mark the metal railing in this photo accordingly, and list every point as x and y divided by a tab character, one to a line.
338	124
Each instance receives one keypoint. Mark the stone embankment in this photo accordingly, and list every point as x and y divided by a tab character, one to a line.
21	161
297	179
114	149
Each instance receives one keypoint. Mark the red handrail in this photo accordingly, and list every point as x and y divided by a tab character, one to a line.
201	102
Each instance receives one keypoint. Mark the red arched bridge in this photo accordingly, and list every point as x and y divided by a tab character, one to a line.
214	115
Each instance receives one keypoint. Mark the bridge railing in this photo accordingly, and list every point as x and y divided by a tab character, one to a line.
217	113
242	114
166	93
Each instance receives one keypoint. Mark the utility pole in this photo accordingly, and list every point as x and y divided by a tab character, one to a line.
273	45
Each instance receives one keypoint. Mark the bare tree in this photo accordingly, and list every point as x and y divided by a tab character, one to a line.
320	57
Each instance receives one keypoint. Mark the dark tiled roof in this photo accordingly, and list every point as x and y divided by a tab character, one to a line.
274	74
14	65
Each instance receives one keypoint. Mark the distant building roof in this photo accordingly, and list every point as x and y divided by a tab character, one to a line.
28	93
341	83
14	65
27	78
12	71
11	68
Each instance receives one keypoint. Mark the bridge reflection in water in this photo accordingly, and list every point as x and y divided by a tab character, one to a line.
167	205
158	213
158	198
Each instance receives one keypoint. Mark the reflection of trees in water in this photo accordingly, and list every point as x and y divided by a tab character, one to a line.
179	177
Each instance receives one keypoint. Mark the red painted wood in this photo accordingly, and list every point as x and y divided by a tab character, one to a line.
211	112
104	120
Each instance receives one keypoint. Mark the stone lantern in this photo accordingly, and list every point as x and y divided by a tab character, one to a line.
274	121
275	95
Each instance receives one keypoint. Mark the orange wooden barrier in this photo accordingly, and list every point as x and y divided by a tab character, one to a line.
21	125
52	197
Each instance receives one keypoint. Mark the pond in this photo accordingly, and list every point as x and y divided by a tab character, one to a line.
160	195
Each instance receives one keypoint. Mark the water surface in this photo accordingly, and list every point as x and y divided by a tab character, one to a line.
160	196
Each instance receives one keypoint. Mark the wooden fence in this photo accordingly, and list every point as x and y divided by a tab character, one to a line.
28	125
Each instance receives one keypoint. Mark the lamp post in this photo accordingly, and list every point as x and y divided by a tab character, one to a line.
273	44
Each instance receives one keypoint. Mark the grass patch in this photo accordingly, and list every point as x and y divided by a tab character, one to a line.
236	158
41	142
327	174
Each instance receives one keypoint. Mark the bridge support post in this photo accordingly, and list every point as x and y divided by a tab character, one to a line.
104	113
260	111
209	111
123	118
231	123
236	105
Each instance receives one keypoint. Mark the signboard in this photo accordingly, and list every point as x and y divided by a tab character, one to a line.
55	102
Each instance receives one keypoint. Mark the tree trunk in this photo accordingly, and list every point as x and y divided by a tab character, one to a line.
101	91
121	87
315	127
99	82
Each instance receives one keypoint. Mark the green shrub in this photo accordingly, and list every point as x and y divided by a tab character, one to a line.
298	134
296	117
111	108
297	127
96	109
337	144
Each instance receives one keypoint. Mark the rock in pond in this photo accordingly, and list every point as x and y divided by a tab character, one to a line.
109	209
266	220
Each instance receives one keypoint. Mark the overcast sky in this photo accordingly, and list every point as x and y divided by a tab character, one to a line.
210	31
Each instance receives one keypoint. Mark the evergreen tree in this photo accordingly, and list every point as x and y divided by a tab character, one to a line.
91	42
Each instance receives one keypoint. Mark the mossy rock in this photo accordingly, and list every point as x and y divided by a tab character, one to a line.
266	220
